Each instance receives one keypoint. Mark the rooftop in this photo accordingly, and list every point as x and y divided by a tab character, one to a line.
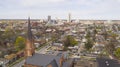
105	62
41	59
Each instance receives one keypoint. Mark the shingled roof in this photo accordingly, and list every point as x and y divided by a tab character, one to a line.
43	60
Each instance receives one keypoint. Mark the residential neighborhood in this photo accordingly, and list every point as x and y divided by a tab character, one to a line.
59	33
77	42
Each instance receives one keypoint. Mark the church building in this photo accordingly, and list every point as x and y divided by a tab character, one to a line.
42	60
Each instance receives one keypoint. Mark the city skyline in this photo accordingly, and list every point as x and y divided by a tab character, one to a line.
79	9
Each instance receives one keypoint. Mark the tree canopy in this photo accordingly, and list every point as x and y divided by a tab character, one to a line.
70	41
89	44
9	35
88	35
19	43
117	52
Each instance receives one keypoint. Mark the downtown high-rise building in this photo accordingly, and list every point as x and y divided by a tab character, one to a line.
49	18
69	17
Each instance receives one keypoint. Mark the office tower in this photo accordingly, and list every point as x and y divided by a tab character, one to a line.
49	18
69	17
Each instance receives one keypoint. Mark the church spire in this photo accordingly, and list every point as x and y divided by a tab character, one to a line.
29	50
29	33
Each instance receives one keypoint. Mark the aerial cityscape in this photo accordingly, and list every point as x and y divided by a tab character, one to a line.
60	33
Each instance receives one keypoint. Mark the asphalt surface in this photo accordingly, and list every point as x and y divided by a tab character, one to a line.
19	64
42	50
104	62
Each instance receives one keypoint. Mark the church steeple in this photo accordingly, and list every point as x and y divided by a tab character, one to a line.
29	50
29	33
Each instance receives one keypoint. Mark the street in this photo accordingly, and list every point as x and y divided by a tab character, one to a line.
42	50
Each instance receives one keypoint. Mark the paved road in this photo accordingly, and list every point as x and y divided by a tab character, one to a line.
41	51
19	64
104	62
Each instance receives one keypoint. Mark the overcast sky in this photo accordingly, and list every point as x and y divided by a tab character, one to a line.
40	9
